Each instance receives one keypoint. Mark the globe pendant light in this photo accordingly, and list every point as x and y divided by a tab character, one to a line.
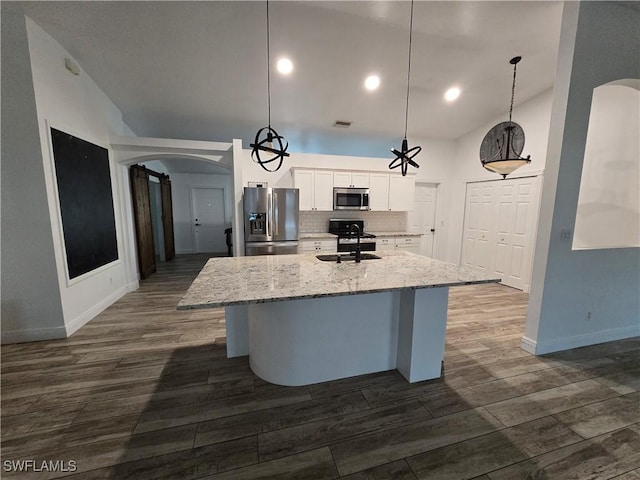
404	156
502	145
269	147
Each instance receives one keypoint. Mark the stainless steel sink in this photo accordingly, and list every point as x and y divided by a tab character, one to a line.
346	257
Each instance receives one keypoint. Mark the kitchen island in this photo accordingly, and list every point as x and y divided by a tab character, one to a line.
304	321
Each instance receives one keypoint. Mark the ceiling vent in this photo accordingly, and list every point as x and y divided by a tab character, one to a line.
342	124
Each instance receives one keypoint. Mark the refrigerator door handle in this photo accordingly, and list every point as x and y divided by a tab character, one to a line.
275	209
269	214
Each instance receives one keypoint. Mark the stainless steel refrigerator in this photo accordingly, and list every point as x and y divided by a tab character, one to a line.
270	220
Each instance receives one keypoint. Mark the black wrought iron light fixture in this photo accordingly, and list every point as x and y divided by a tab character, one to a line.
269	148
405	156
502	145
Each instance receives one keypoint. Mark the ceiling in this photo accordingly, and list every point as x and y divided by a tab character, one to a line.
197	70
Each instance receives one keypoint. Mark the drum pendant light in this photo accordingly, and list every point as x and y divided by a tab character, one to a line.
404	156
502	145
269	147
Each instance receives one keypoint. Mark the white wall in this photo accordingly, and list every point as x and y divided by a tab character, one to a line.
181	185
31	303
609	202
582	297
76	105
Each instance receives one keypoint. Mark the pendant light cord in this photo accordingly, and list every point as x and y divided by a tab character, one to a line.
268	69
513	91
406	112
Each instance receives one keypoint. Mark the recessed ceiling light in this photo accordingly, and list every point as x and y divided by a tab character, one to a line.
284	66
372	82
452	94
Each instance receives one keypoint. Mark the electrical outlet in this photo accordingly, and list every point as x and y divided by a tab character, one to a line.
588	315
565	234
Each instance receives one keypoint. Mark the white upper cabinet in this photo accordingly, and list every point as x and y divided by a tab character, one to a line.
351	179
387	191
391	193
379	192
316	189
401	193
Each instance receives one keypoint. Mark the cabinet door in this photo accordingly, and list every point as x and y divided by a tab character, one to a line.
306	246
304	180
323	191
341	179
379	191
386	243
409	244
401	192
360	179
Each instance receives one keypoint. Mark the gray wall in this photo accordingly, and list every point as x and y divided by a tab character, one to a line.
30	293
582	297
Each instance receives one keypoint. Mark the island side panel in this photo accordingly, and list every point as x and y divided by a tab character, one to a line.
237	326
421	332
301	342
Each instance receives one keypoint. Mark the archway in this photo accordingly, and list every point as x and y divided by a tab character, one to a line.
128	151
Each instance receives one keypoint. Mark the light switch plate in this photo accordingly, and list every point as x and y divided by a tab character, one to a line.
565	234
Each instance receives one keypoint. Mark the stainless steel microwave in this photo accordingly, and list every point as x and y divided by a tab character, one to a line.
351	198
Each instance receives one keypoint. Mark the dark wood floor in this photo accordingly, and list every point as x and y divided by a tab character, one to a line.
144	391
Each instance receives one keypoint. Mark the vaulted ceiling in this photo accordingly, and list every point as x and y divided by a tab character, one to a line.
197	70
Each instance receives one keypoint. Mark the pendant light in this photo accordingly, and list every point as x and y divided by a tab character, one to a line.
404	156
502	145
269	147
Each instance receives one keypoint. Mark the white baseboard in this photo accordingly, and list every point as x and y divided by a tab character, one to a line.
528	345
84	317
576	341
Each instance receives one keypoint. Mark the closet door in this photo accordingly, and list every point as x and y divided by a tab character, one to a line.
142	213
522	233
477	233
499	229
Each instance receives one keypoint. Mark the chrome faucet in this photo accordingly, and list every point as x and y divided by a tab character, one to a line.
358	253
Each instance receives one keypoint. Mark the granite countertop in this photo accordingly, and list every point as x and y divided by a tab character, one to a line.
316	236
324	235
396	234
266	278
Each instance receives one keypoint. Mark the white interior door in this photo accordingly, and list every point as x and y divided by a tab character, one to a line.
499	228
422	217
209	221
521	237
476	242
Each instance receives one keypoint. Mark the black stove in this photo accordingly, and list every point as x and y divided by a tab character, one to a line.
348	238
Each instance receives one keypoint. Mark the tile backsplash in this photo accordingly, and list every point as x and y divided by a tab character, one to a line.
318	222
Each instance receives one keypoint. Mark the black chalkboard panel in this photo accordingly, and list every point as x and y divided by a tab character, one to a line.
86	203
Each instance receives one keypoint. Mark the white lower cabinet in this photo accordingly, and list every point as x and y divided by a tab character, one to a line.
409	244
311	245
385	243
